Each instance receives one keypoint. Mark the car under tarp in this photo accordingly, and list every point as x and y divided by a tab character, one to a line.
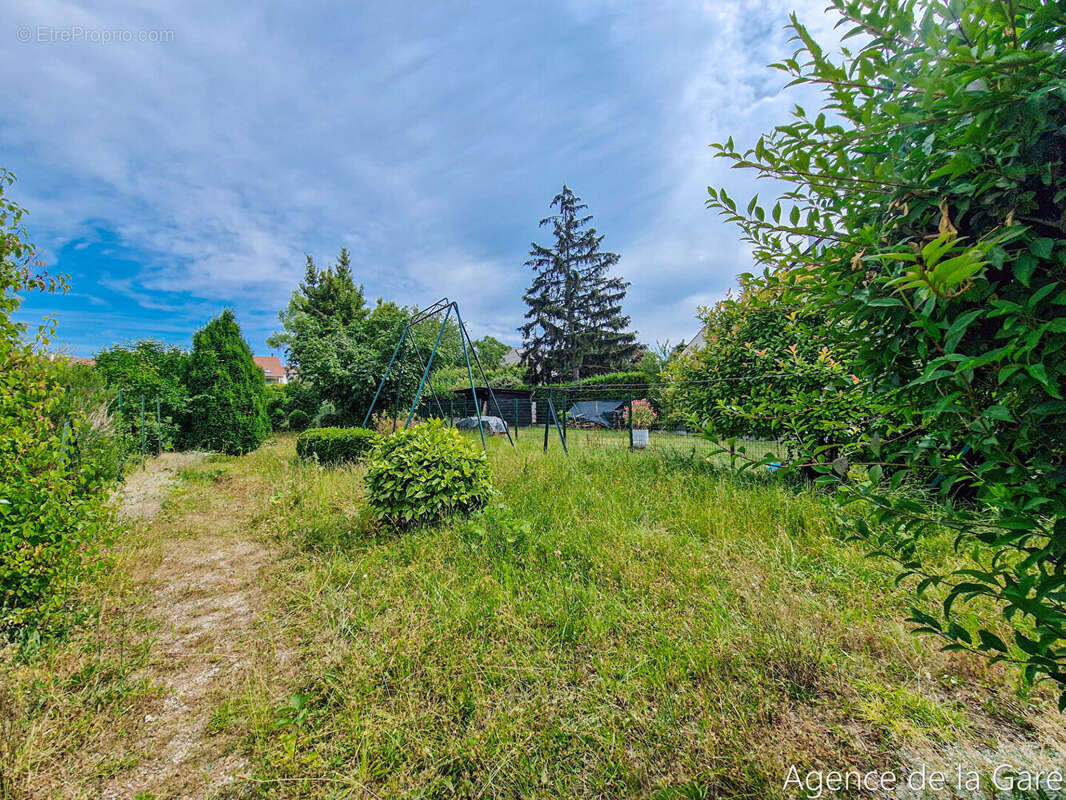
488	424
604	413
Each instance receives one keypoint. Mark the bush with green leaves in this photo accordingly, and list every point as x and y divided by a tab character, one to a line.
298	420
423	474
156	371
336	445
932	184
227	390
52	518
763	369
99	445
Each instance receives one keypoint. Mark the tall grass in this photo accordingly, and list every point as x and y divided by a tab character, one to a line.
615	624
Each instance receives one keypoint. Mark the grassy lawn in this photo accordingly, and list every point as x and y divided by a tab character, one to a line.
617	625
676	442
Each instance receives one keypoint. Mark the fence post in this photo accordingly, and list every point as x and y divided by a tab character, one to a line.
514	405
547	419
566	402
629	418
158	425
144	433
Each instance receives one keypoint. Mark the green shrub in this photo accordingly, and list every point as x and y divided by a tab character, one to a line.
925	221
228	402
423	474
335	445
299	419
52	518
157	371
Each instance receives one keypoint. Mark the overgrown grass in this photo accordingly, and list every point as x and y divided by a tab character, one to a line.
615	625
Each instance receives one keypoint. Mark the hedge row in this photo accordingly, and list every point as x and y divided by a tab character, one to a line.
335	445
613	385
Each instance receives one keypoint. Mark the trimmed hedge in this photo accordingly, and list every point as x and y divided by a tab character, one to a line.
336	445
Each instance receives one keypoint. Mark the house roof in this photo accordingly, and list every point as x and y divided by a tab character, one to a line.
511	357
271	365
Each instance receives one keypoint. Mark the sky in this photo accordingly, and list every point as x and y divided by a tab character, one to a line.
181	158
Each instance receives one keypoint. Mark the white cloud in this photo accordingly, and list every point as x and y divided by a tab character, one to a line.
426	138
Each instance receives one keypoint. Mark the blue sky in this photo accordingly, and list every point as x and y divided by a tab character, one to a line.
180	175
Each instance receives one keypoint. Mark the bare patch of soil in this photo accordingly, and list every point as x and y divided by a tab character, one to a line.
143	492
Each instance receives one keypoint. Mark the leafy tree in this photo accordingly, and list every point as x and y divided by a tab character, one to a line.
227	390
342	348
762	369
325	303
933	183
151	368
52	516
491	352
575	320
655	359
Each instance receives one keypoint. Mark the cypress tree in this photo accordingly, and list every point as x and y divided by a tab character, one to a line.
228	390
575	322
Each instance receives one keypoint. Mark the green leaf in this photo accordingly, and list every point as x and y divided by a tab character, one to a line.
1041	248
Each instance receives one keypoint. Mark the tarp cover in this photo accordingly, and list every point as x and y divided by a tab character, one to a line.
604	413
490	424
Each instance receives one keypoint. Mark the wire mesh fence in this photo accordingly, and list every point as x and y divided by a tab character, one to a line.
596	418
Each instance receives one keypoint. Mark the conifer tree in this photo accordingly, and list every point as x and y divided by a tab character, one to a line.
575	322
228	402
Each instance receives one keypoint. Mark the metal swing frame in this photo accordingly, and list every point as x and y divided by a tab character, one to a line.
447	306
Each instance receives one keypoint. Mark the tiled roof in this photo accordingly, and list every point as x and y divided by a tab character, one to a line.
271	365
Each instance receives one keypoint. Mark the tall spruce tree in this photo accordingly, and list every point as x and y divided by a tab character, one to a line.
575	322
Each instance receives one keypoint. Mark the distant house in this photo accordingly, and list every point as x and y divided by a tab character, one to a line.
511	357
273	370
88	362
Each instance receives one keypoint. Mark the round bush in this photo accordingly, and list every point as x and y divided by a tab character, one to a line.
299	419
424	474
335	445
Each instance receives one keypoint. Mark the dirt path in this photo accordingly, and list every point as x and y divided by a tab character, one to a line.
205	594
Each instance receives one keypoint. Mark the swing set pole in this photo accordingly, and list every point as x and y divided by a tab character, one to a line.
385	377
429	364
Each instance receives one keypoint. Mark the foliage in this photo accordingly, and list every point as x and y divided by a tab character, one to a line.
386	424
764	370
336	445
933	185
575	321
655	359
613	385
154	369
327	301
227	390
341	348
275	401
447	380
423	474
298	419
490	351
644	415
503	379
99	445
51	518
